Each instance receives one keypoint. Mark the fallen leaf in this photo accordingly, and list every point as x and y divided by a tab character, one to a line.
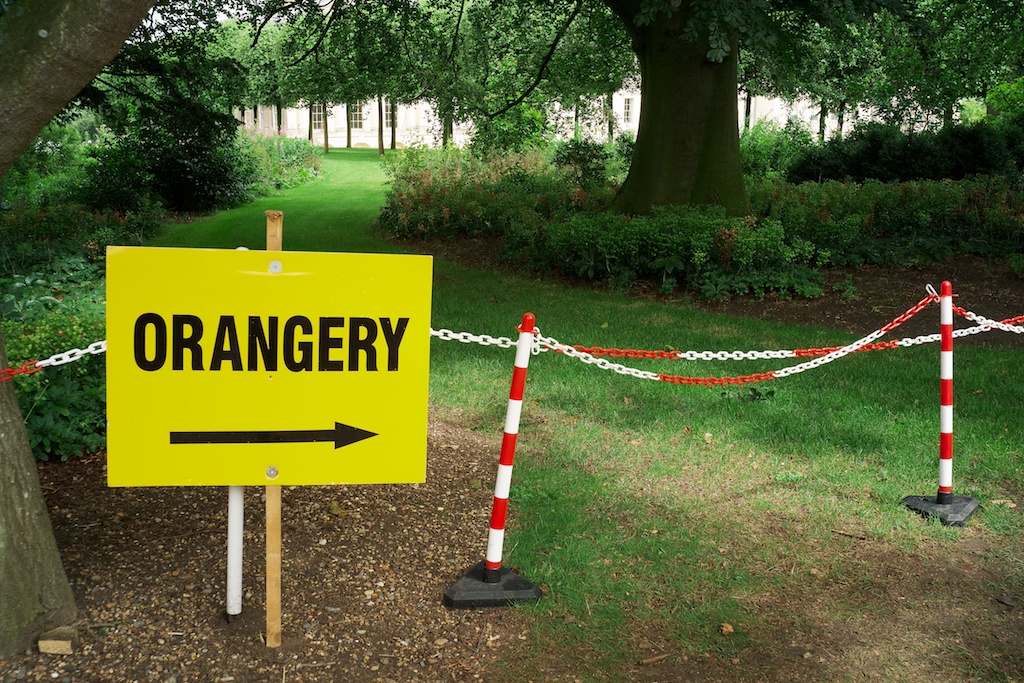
1005	503
707	437
726	629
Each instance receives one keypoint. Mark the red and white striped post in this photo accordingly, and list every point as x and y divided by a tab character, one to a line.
503	482
945	494
488	584
951	510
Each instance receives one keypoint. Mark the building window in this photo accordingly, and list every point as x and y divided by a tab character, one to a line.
627	110
318	117
390	114
355	115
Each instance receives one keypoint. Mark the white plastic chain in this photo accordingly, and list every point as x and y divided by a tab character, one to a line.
828	358
74	354
467	338
987	324
550	344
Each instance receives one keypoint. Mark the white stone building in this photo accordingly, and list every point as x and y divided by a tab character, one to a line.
417	124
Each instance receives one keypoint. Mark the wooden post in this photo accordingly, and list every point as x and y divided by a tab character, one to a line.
273	566
275	223
275	230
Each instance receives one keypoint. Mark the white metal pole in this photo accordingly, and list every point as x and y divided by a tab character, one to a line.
236	516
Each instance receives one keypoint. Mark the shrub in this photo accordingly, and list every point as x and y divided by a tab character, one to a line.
896	223
40	238
282	162
768	151
63	406
584	160
876	151
795	228
450	192
696	246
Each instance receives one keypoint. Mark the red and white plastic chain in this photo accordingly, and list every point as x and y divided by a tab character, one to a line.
590	359
34	366
986	324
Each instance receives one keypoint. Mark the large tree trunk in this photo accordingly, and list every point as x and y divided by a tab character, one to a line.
687	144
49	52
34	591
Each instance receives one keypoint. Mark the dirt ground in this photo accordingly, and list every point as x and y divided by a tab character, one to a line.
365	567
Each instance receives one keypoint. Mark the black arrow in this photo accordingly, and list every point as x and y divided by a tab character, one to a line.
341	435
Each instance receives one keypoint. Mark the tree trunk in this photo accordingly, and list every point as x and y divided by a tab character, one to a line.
327	146
446	112
748	106
822	122
49	51
687	143
394	124
35	594
841	117
380	125
610	113
311	123
280	118
448	131
348	126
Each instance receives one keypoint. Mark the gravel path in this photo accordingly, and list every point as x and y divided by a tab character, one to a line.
364	569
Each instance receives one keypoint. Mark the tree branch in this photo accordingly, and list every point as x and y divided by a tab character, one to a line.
320	39
543	64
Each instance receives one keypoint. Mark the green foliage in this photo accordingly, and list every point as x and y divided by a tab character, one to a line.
768	151
189	159
450	192
544	221
584	160
877	151
49	172
520	128
1007	98
697	246
48	313
1016	263
37	239
281	162
896	223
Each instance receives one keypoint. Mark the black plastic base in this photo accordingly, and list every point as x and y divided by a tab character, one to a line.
471	591
954	513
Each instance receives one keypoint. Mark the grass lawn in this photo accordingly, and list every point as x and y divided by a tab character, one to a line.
724	525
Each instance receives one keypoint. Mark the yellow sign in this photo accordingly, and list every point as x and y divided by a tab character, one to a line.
254	367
